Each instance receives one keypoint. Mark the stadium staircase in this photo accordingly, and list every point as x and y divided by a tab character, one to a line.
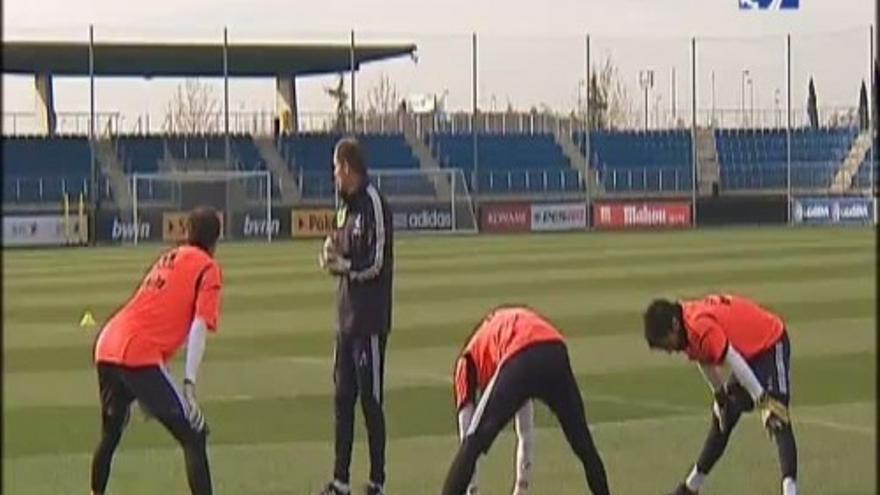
576	159
708	165
276	164
107	154
843	179
427	162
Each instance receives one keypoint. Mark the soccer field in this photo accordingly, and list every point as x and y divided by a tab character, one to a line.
266	385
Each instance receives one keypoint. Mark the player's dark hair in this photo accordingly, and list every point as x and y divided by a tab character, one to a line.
349	151
658	321
203	228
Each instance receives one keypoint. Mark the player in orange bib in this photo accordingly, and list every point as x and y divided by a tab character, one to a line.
515	355
729	330
178	301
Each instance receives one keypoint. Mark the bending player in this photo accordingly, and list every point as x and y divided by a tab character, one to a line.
178	301
515	355
734	331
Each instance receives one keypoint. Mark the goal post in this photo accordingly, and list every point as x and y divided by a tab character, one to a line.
237	195
434	201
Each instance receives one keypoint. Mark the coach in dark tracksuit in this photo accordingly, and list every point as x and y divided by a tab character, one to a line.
360	253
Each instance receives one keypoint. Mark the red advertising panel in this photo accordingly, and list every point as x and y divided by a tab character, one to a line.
510	217
641	215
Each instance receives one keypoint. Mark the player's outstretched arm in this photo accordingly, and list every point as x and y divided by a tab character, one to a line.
195	351
525	444
465	416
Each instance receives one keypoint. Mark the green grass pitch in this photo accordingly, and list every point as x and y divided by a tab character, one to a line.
266	386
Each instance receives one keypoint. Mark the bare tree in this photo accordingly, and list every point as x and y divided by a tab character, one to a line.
383	98
610	103
194	109
340	97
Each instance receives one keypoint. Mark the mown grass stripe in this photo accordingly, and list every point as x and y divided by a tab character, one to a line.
305	418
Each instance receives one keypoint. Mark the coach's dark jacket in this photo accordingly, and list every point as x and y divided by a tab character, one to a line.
364	235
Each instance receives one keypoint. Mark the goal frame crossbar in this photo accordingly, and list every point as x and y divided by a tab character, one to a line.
195	177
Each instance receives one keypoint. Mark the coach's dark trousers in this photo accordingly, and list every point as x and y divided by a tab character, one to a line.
359	369
542	372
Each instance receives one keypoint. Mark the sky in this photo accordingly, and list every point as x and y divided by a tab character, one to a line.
530	53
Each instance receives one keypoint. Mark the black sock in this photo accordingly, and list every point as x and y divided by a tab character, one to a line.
787	448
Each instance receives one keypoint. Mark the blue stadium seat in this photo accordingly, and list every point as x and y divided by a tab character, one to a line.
312	157
42	169
508	163
757	158
640	160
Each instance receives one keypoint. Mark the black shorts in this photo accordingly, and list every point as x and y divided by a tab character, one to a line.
772	369
151	386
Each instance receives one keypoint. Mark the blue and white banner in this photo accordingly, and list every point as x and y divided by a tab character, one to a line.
769	4
39	230
117	227
834	211
414	217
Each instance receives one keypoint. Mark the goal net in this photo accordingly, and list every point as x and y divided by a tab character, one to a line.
242	198
427	200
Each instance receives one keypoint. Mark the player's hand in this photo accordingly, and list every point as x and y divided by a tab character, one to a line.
521	487
774	414
193	413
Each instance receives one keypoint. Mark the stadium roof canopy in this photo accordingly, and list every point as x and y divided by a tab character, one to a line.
190	60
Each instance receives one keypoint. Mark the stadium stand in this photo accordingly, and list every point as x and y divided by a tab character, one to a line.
641	160
310	156
756	158
141	154
508	163
39	169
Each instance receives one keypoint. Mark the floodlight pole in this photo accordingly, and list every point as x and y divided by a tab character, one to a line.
353	67
476	178
788	124
694	168
646	81
872	115
673	95
742	96
587	152
228	155
92	158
